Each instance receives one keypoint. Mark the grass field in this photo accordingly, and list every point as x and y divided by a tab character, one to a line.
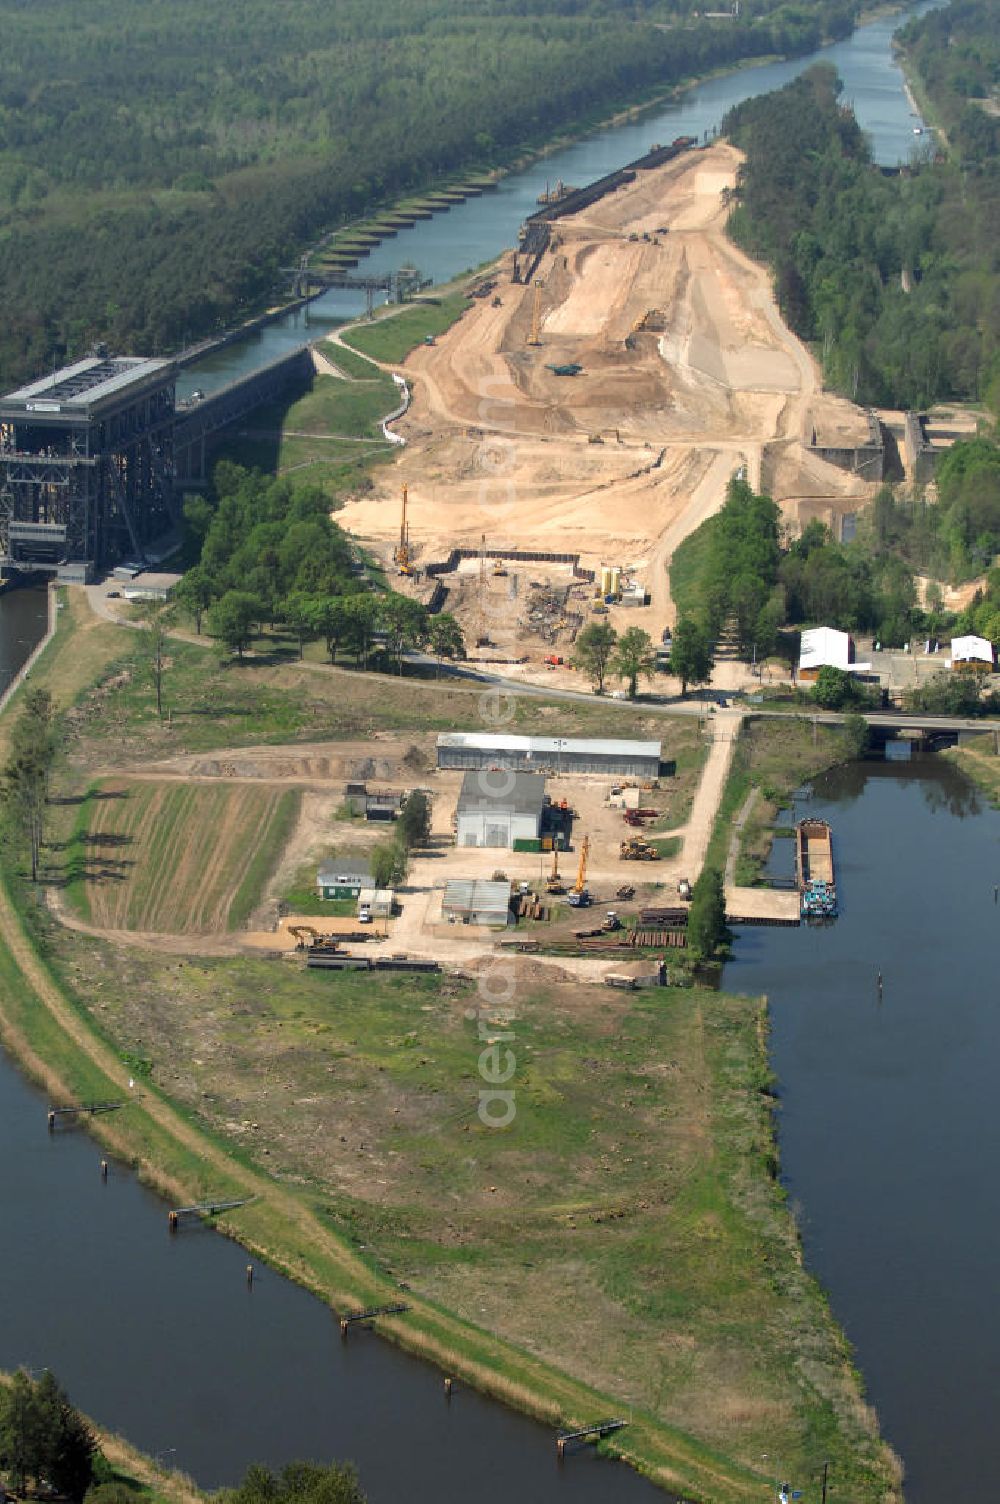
625	1242
391	339
327	436
635	1183
177	858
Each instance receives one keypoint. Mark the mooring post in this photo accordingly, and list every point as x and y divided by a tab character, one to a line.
344	1324
104	1169
52	1121
249	1276
560	1448
447	1389
172	1221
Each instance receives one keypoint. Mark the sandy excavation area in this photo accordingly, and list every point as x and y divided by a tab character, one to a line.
687	374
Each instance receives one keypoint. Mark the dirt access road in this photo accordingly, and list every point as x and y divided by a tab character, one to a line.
688	373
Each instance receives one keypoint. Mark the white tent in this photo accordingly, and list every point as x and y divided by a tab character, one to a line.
971	650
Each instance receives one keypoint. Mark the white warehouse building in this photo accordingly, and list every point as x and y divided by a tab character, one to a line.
497	808
548	754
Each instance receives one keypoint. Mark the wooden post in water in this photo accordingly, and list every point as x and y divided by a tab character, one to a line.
249	1276
52	1122
172	1221
104	1169
447	1389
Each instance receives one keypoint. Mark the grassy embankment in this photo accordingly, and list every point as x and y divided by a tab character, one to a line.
332	434
979	759
775	757
639	1175
391	338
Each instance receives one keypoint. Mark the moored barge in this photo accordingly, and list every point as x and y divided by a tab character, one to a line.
817	880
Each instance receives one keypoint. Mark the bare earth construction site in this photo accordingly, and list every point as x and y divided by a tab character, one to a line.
686	373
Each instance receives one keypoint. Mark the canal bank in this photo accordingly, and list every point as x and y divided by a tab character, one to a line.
887	1126
475	232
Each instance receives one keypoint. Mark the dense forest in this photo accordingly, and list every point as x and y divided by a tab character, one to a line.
892	277
159	164
737	573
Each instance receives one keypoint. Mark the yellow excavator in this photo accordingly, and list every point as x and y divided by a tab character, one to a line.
578	895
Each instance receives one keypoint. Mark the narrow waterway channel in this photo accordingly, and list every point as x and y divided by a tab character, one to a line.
159	1338
479	229
23	620
888	1126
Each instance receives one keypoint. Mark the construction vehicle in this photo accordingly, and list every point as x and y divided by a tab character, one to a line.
301	931
312	940
401	553
684	888
625	891
636	849
499	572
579	897
611	921
554	883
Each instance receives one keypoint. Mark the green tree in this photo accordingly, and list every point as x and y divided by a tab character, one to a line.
834	688
446	637
592	654
195	592
414	824
388	864
859	734
297	614
361	613
68	1446
405	621
42	1436
157	618
28	770
20	1431
197	514
298	1483
690	654
329	617
707	929
947	693
633	656
236	618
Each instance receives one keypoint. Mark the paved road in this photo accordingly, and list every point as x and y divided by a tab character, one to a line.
705	703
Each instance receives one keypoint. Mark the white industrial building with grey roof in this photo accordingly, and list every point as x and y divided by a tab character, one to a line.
548	754
496	807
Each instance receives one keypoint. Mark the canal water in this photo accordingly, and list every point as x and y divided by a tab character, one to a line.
23	620
158	1337
888	1118
479	229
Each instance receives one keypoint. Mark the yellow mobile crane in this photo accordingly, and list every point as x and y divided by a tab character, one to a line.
578	896
401	553
554	883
